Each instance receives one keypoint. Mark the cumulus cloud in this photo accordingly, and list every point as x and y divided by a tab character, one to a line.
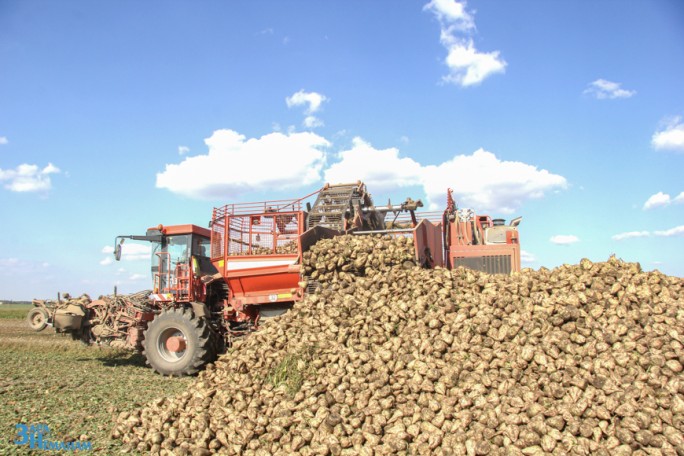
311	100
480	180
630	235
485	182
182	150
28	178
235	165
380	169
564	239
670	136
467	66
676	231
660	199
602	89
679	198
451	12
3	140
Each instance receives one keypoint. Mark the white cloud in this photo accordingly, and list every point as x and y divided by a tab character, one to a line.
312	122
28	178
467	66
670	137
106	260
130	251
484	182
630	235
526	257
136	277
452	12
379	169
679	198
660	199
564	239
671	232
636	234
313	100
3	140
275	160
182	150
602	89
480	180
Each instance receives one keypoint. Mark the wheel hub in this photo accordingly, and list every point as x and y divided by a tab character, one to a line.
172	344
175	344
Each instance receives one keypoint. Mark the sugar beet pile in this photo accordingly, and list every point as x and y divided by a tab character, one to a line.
392	359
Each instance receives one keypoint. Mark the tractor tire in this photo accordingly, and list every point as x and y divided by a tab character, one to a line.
37	319
177	343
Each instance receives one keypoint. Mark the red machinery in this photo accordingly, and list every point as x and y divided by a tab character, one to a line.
478	242
212	284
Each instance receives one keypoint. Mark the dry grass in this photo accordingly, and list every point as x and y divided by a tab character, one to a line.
73	388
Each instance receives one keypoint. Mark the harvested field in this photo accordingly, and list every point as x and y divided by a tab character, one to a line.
389	358
46	378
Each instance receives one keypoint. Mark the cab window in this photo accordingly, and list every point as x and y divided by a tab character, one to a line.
177	248
200	245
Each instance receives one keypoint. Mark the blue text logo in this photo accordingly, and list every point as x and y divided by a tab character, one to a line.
37	436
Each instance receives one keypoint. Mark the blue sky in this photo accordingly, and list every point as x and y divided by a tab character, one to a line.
117	116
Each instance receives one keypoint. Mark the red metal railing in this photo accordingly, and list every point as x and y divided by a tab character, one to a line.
405	217
257	208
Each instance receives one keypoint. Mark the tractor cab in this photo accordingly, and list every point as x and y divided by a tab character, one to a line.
180	256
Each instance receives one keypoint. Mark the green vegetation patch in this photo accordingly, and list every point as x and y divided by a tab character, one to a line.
75	389
292	370
14	311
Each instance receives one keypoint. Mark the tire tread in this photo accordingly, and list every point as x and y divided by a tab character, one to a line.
203	352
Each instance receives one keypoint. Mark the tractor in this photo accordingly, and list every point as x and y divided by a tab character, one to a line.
213	284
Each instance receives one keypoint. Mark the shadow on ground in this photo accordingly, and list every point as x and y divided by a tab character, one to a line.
123	358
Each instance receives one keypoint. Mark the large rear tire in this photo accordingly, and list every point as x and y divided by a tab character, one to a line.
37	319
177	343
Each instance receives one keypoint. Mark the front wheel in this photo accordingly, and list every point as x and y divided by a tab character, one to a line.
178	343
37	319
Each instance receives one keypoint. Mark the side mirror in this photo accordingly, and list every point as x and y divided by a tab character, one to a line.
117	251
